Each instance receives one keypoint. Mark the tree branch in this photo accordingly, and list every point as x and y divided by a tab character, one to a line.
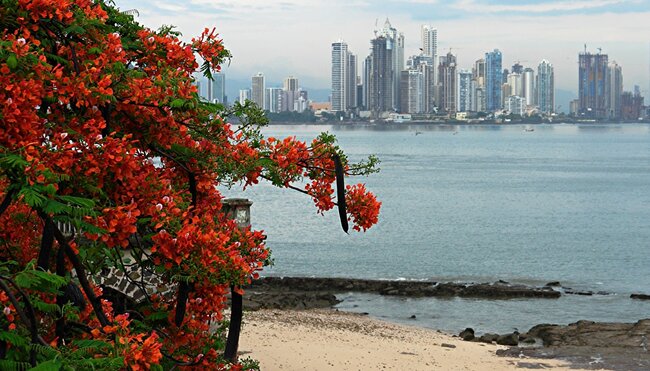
7	200
81	275
47	241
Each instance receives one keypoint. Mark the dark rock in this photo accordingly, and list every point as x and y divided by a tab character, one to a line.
498	290
509	339
413	316
576	292
445	345
553	284
527	339
640	296
467	334
594	334
488	338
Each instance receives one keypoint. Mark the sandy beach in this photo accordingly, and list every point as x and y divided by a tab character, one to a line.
330	340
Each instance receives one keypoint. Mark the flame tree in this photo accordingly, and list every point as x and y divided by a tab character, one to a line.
102	132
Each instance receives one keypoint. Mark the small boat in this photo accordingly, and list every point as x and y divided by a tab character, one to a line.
529	129
454	133
418	132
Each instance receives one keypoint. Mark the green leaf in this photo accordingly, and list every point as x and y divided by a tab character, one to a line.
78	201
32	197
51	365
13	365
177	103
156	316
75	29
46	307
12	62
40	281
91	344
13	338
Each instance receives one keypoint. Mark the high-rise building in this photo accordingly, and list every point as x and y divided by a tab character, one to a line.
517	68
545	87
631	105
430	44
218	88
447	82
351	88
516	82
367	73
340	75
478	86
344	77
290	93
274	100
412	94
258	90
291	84
528	87
464	91
395	43
380	89
478	73
614	89
244	95
516	105
592	84
493	79
428	70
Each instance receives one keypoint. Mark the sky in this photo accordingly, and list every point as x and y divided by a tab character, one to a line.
293	37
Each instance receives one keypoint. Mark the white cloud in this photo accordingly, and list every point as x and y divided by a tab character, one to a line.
553	6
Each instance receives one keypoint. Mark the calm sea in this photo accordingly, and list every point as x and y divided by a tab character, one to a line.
568	203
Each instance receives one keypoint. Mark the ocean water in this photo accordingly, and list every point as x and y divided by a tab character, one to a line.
568	203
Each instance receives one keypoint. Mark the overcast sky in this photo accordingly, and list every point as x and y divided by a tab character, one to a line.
293	37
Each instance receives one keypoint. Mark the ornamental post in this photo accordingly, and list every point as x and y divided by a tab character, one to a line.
239	210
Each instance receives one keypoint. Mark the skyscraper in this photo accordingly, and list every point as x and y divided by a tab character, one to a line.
464	92
592	84
516	82
218	88
367	73
351	88
340	75
447	82
493	78
380	89
545	87
614	89
289	93
395	43
478	86
412	94
430	43
244	95
517	68
529	86
290	84
257	90
274	100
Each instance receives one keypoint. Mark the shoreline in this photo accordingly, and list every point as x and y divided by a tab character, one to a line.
320	339
618	345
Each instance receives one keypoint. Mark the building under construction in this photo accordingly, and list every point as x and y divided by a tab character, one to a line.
593	85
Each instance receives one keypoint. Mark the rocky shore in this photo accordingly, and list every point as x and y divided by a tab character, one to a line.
307	293
591	345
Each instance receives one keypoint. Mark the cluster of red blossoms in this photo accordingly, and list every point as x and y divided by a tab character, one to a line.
101	129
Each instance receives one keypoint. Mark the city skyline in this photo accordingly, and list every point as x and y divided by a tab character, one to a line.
302	32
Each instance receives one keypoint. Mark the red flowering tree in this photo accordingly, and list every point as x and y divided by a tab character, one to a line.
109	162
